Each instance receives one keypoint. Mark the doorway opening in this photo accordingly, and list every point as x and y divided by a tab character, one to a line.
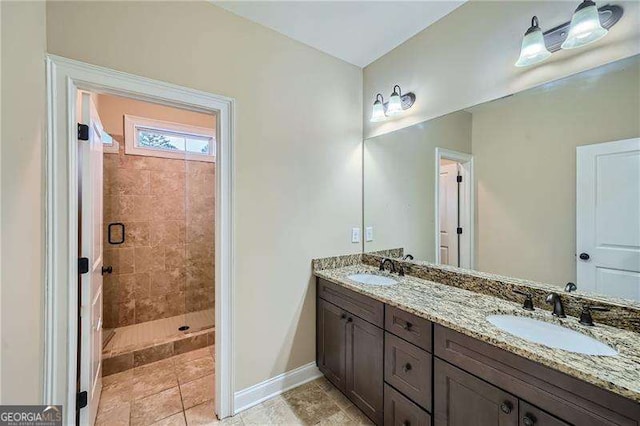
454	208
138	244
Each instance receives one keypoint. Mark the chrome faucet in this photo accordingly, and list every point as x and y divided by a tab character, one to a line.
555	300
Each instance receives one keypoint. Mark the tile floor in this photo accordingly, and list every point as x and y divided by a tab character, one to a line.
136	336
180	390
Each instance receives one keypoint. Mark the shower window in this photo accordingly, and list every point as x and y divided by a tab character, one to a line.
144	136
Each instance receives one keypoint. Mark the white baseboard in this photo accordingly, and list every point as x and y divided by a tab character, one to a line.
274	386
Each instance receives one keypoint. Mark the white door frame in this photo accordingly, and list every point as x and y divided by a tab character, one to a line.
467	241
64	78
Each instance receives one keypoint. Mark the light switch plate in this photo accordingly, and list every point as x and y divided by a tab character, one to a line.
355	235
368	233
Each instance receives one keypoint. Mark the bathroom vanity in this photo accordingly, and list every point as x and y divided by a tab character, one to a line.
421	353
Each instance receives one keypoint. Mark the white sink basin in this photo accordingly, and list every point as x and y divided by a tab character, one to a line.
551	335
372	279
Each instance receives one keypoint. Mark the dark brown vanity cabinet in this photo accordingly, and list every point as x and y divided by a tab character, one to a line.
350	349
400	369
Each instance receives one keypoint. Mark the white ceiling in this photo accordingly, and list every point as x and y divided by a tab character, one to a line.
358	32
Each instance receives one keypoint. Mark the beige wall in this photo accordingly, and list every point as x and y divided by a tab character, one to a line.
23	123
399	182
297	152
467	58
112	108
524	150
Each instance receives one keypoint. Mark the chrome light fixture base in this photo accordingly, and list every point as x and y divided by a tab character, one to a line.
609	16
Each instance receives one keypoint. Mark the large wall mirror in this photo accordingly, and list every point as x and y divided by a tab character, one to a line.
543	185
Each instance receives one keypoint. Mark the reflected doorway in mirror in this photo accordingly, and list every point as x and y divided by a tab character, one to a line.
454	198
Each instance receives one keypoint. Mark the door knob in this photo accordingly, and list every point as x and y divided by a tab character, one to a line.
107	270
584	256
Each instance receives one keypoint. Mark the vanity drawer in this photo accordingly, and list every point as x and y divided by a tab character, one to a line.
400	411
408	326
408	369
362	306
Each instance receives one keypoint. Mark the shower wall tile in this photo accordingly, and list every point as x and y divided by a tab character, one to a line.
166	265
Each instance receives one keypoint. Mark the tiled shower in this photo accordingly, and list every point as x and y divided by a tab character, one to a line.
159	299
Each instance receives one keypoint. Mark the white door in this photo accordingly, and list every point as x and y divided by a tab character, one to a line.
448	206
608	218
91	228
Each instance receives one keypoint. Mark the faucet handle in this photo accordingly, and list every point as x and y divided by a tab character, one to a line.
528	300
585	315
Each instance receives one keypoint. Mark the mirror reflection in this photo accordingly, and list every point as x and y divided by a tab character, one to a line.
542	185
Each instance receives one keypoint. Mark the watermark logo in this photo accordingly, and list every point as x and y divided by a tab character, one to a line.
30	415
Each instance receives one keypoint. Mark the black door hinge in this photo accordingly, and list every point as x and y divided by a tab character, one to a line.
459	231
83	132
83	265
81	399
459	178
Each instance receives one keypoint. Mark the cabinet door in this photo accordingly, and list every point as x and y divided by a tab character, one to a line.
331	343
533	416
365	346
462	400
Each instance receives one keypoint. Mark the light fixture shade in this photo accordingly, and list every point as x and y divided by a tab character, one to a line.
395	102
585	26
533	49
377	113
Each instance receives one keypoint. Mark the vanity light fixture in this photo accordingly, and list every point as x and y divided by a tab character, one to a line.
587	25
396	105
377	114
533	49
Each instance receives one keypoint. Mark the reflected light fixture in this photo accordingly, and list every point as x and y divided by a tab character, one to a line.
585	26
395	103
377	114
533	48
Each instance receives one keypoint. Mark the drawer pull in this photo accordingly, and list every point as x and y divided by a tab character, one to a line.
506	407
528	420
407	367
407	326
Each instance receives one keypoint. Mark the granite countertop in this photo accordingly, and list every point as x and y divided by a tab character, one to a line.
465	311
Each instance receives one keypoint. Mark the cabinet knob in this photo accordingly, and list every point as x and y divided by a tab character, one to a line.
406	423
506	407
407	326
107	270
407	367
349	319
343	316
528	420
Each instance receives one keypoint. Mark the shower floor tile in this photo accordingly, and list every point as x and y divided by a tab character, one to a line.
138	336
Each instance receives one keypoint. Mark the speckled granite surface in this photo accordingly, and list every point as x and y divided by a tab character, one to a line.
465	311
622	313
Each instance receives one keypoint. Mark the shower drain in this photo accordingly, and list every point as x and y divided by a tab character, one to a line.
183	328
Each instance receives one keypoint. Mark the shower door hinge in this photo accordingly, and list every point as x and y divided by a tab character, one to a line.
83	265
459	178
459	231
83	132
81	399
